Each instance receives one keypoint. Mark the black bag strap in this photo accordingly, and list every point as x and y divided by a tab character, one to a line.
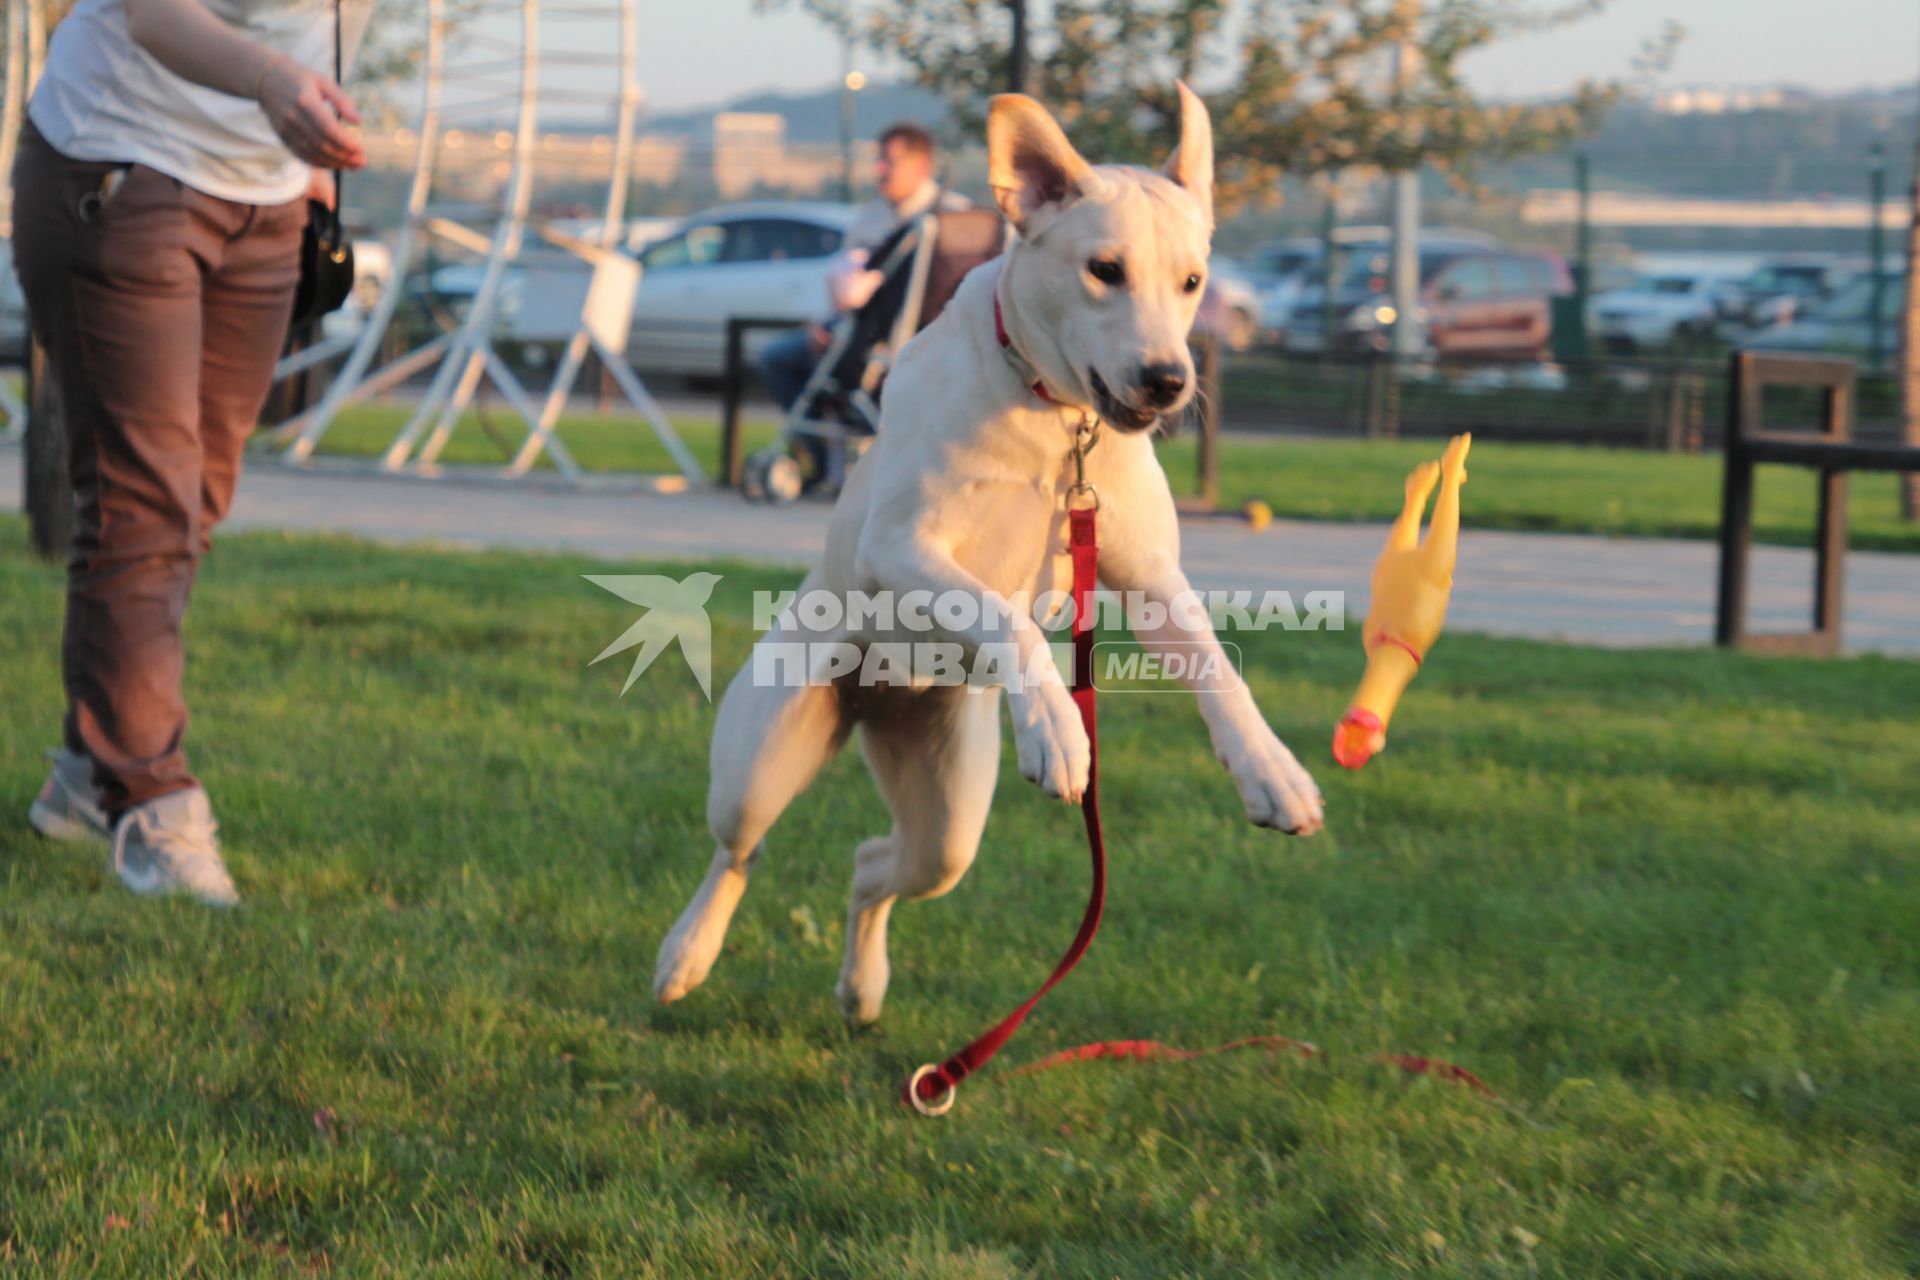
339	78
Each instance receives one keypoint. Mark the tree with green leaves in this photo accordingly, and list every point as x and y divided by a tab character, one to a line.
1295	86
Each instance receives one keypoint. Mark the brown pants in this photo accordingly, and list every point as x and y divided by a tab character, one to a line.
162	310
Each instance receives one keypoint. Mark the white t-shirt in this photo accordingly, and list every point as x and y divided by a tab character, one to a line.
103	97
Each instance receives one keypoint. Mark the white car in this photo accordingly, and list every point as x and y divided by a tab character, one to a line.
767	259
1230	307
1671	309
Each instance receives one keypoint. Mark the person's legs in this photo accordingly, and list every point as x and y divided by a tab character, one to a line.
114	270
785	365
247	305
113	286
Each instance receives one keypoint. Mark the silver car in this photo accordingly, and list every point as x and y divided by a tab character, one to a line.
1842	325
766	259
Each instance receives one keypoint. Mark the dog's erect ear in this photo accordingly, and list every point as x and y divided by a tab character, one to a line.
1030	163
1191	164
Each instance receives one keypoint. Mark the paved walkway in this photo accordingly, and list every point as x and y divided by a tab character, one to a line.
1614	591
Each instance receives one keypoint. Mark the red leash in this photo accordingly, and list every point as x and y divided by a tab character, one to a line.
930	1090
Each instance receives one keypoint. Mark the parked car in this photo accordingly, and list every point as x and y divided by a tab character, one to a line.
1230	307
1294	316
1782	288
761	259
766	259
635	235
1840	325
1279	260
446	294
1475	301
1670	309
1296	272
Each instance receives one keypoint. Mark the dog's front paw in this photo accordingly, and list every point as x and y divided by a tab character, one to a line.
1277	791
1050	741
686	957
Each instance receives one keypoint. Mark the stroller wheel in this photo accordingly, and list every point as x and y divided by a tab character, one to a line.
784	480
753	475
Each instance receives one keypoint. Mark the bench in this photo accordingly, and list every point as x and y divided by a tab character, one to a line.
1829	450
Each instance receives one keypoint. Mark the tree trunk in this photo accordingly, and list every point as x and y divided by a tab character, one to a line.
1017	53
49	493
1910	349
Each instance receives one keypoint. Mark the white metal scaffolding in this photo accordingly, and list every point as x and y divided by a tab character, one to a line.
566	61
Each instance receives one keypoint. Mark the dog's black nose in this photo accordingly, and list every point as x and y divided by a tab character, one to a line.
1163	383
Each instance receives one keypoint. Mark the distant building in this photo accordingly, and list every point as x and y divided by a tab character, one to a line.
1710	100
746	145
750	152
745	152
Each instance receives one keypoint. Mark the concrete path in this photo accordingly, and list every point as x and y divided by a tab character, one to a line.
1613	591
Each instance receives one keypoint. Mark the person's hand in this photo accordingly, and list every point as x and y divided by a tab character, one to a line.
849	283
311	114
817	339
320	187
854	291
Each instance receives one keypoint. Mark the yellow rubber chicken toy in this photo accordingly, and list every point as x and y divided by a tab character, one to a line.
1411	583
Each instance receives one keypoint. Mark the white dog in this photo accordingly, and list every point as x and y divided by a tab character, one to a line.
965	490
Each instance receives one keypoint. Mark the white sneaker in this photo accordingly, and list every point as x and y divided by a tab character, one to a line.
170	845
68	807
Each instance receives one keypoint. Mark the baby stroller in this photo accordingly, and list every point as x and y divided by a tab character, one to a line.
921	263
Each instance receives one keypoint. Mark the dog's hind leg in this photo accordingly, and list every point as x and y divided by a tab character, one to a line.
768	743
937	768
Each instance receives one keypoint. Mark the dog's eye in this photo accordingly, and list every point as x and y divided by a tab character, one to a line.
1107	271
1193	282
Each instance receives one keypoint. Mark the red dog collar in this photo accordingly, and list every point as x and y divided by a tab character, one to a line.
1028	373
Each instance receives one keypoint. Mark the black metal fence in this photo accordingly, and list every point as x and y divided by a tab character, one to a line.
1673	405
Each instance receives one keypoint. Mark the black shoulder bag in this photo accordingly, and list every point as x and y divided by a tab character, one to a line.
326	259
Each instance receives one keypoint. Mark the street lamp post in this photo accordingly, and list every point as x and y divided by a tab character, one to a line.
1877	182
1403	337
1329	262
851	82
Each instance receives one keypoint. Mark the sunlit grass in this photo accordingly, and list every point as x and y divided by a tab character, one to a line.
1663	902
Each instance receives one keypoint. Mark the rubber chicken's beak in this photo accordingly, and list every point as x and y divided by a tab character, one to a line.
1357	737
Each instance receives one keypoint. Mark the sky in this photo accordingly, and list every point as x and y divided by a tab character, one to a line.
706	53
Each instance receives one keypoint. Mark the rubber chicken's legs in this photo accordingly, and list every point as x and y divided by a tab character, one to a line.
1411	583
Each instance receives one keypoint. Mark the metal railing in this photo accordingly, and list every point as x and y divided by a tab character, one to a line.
1670	405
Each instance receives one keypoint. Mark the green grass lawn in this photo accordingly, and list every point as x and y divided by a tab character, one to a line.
1558	488
1663	902
1562	488
620	442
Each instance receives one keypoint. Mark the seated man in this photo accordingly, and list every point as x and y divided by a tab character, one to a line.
903	177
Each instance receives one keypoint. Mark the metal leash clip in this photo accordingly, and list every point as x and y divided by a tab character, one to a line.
1085	436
